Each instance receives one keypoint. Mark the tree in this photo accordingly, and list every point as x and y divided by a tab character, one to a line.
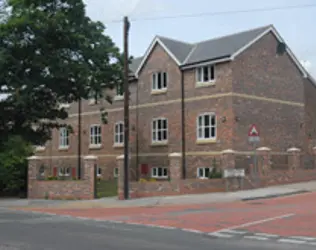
13	165
51	53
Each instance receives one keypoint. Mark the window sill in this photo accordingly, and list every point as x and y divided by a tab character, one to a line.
203	178
40	149
204	84
95	146
118	145
92	102
159	92
64	175
206	141
63	148
160	177
158	144
118	98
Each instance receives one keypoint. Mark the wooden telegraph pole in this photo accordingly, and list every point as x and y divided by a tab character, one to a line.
126	110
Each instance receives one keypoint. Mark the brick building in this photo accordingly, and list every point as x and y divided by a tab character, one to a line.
197	99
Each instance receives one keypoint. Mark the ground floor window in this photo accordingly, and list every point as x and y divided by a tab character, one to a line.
203	172
159	172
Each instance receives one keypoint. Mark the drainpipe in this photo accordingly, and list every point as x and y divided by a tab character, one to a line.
183	125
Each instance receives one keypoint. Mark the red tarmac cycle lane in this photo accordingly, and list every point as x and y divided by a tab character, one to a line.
286	216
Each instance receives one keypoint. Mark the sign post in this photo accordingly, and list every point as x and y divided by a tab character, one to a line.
254	138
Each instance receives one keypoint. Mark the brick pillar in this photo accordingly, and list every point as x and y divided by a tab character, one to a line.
89	174
294	158
175	171
263	160
32	172
228	159
120	179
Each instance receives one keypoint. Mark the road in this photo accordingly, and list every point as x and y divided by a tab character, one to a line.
25	230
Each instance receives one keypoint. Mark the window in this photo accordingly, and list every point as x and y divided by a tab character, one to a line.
41	170
119	89
206	126
119	133
63	138
116	172
92	97
203	173
159	81
99	171
159	172
205	74
64	171
160	130
95	135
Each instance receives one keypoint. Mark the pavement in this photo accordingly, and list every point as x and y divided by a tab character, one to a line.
31	231
268	192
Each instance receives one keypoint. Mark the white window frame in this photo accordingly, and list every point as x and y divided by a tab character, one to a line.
117	135
155	170
64	171
155	130
63	138
93	137
116	172
201	138
204	174
164	81
199	74
99	171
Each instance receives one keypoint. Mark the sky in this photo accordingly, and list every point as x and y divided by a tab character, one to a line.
148	18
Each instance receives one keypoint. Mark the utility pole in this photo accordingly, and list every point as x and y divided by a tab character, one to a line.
126	110
79	138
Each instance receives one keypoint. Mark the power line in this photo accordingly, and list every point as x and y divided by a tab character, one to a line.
219	13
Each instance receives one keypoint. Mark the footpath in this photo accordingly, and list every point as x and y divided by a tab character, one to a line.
262	193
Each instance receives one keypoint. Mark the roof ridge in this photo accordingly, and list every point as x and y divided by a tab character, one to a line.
175	40
236	33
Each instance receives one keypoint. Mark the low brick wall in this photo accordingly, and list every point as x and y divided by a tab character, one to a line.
167	188
61	189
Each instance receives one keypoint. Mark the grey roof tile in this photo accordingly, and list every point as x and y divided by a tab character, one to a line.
135	63
179	49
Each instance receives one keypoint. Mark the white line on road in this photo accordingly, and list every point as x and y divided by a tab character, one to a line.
191	230
255	238
221	235
292	241
303	238
239	232
267	235
252	223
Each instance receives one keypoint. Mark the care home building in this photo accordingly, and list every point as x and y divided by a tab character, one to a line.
198	100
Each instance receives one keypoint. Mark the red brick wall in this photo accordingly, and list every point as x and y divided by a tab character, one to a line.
72	189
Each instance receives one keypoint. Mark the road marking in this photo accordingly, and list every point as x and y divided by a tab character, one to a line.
292	241
267	235
303	238
191	230
239	232
255	238
252	223
220	235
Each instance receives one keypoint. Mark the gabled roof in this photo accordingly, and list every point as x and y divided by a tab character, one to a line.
218	49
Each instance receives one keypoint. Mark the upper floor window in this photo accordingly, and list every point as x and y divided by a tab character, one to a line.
119	133
159	81
63	137
206	126
95	135
205	74
160	130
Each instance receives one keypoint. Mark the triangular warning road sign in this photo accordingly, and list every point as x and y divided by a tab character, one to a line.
253	131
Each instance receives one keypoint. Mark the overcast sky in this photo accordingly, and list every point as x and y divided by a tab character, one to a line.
296	26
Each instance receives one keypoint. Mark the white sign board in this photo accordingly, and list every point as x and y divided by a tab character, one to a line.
228	173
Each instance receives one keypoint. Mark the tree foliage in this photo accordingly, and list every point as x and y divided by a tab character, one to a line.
13	165
51	53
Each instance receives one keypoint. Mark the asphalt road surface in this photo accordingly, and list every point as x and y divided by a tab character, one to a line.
25	230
